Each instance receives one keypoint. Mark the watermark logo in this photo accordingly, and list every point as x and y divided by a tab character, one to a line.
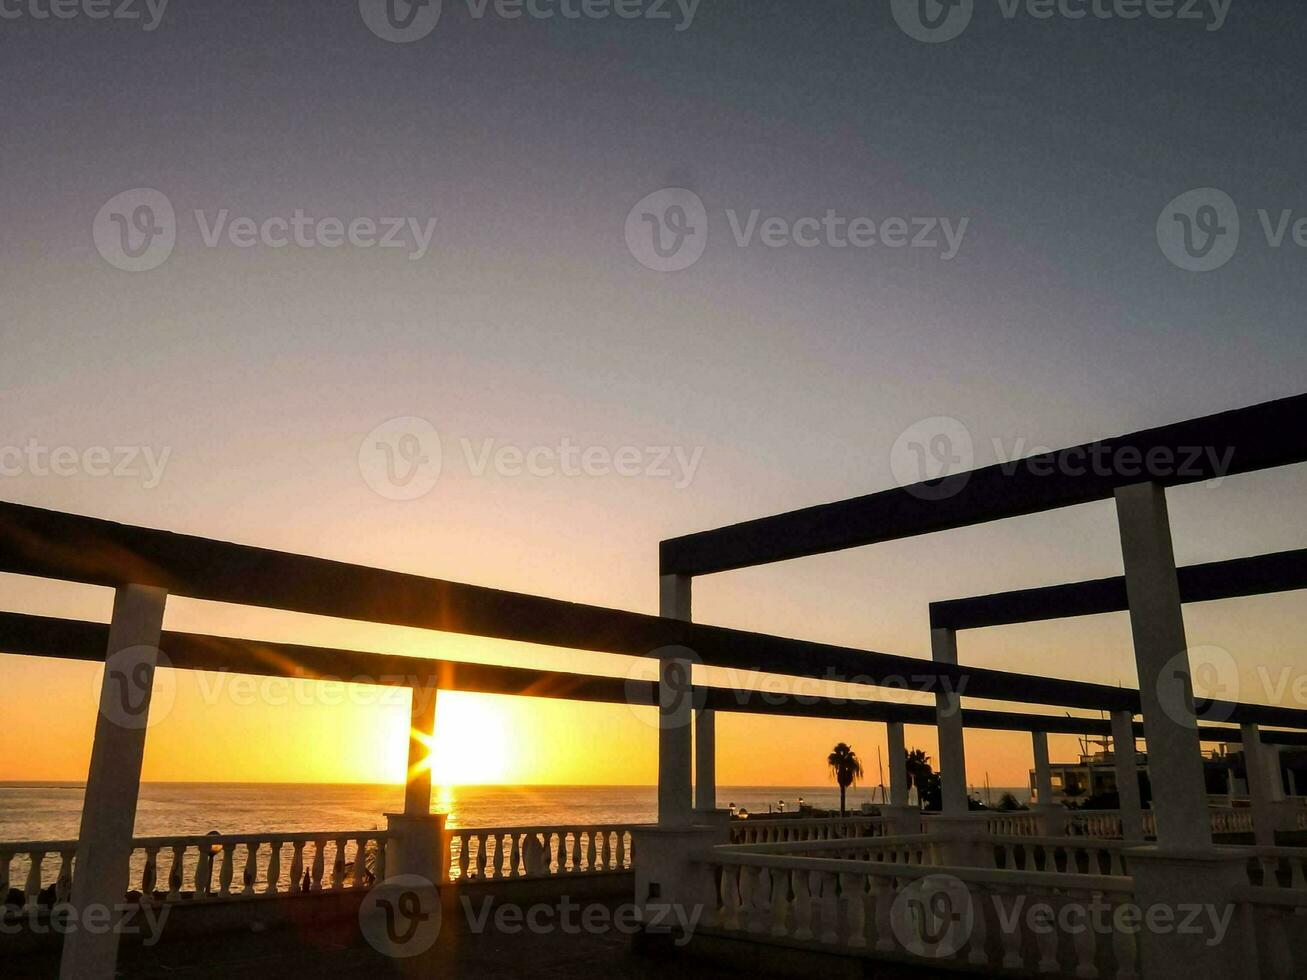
401	458
1199	684
1199	230
675	698
400	917
136	230
933	916
933	21
145	920
132	693
401	21
667	231
37	459
932	459
148	12
936	21
571	918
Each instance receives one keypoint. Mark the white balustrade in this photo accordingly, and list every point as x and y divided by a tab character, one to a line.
1280	942
870	908
490	854
1014	824
764	830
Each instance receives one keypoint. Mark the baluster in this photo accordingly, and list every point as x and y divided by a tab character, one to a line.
274	868
203	871
1085	942
338	866
576	851
464	853
749	887
1125	950
228	870
380	860
251	871
620	862
590	851
855	908
149	874
1296	879
297	867
978	940
829	907
1046	943
1010	926
63	886
515	857
780	902
176	872
32	889
1116	866
479	860
319	865
802	905
882	898
731	897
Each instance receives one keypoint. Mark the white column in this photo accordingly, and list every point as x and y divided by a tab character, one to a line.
898	764
948	720
1043	775
1256	760
1127	775
1161	657
675	714
422	730
113	782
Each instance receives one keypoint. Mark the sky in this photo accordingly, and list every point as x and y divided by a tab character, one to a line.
244	384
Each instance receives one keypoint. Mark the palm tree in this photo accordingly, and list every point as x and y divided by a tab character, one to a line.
919	770
846	769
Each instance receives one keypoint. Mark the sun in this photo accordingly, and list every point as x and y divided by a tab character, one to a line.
471	742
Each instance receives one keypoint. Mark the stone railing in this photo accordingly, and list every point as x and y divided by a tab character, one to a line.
1103	824
536	852
760	830
1227	820
917	849
1279	946
970	918
1018	823
210	867
1278	867
1061	855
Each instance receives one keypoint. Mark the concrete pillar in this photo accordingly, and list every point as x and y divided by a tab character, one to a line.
113	781
948	719
675	714
1293	782
422	731
1050	817
1161	656
1043	776
898	764
1127	775
1257	763
705	760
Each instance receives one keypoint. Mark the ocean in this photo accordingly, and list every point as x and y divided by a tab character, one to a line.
52	810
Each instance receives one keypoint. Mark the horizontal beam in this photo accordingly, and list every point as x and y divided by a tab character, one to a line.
73	548
1284	571
1241	441
44	636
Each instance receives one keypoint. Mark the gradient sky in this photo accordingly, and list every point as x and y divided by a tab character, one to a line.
1059	321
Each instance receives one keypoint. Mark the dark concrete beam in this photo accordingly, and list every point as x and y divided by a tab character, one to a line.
1241	441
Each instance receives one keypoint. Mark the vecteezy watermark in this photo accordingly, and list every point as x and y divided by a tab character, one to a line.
667	231
1199	684
136	231
932	458
132	692
37	459
148	12
143	919
935	916
1200	230
406	21
573	918
357	690
401	916
402	459
661	693
937	21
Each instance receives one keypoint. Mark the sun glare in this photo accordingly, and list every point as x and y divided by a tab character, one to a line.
471	744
